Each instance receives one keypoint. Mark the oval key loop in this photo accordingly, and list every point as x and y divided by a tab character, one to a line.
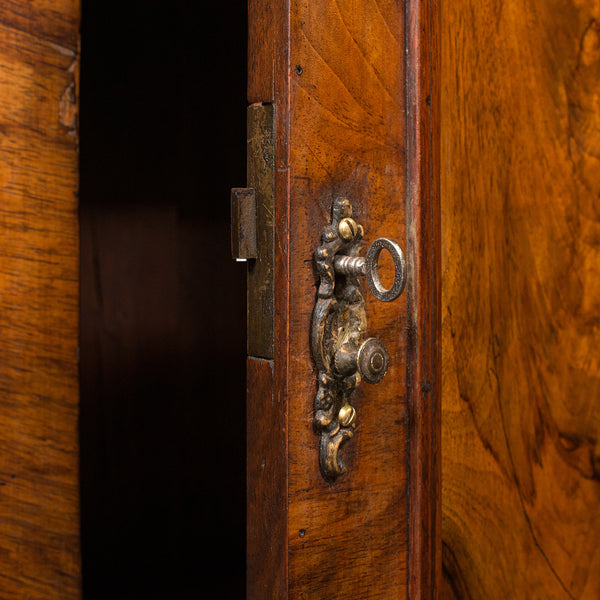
372	269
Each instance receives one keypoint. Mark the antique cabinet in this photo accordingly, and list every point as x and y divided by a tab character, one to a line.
465	134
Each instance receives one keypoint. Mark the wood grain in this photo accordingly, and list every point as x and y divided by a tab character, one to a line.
39	509
267	542
266	515
521	299
267	48
53	21
347	138
336	73
424	296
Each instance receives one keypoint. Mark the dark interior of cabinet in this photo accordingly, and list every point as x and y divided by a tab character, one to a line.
162	122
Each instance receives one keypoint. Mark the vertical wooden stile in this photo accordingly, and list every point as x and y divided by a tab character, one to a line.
355	93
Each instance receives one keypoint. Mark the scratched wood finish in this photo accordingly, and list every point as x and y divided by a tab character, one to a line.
336	73
347	138
266	485
39	515
521	299
54	21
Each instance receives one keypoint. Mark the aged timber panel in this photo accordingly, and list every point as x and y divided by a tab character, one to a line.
347	138
39	515
521	299
355	94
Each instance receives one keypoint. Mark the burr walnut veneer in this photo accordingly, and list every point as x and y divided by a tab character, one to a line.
521	299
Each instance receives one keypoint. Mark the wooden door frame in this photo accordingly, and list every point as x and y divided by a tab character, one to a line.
424	295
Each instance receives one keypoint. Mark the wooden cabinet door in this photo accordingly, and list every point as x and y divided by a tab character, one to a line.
39	258
520	184
355	92
353	89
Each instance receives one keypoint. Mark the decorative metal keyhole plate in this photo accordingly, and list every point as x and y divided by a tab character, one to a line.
341	350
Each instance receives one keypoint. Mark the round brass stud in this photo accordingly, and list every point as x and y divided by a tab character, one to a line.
372	360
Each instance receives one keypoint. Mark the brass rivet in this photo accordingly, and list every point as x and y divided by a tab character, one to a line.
346	415
347	229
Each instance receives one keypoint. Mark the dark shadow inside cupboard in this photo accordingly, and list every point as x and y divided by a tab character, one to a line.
162	342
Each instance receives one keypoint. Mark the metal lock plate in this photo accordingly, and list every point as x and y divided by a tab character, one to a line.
342	352
252	236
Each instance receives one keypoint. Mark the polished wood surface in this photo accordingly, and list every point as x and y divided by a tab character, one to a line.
521	299
347	138
39	507
336	74
265	438
424	296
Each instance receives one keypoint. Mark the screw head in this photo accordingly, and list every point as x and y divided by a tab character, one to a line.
348	229
346	415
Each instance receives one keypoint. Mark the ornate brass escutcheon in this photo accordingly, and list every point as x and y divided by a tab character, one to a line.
343	353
